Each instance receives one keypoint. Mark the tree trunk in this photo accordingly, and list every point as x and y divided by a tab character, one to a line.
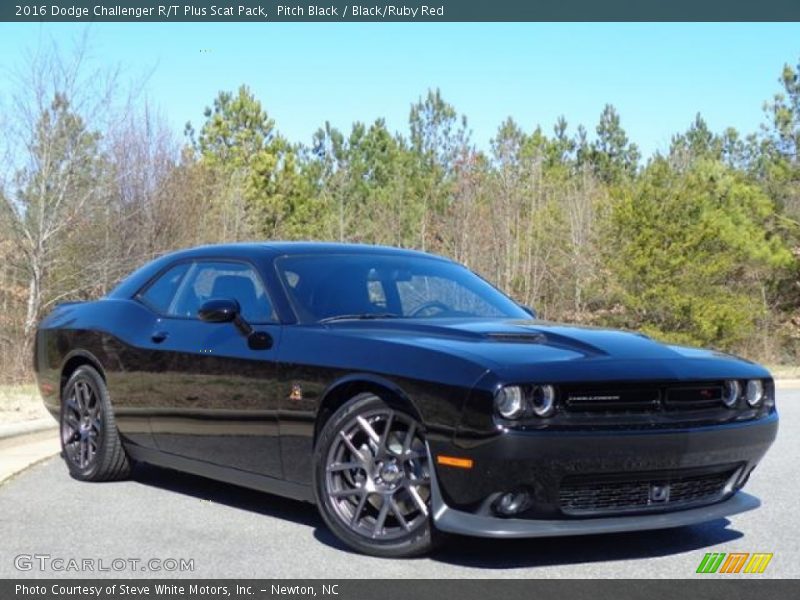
33	307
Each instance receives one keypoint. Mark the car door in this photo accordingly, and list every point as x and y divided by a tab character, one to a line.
219	395
135	382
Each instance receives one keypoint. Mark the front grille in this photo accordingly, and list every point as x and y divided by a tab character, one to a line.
697	397
640	399
612	400
581	497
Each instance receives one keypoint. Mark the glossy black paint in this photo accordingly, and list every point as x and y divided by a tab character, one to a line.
209	397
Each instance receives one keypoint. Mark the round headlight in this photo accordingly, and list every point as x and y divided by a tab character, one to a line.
509	402
755	392
543	400
731	390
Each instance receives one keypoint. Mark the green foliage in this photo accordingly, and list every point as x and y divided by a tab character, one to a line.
613	156
236	133
692	253
698	142
785	115
439	142
261	184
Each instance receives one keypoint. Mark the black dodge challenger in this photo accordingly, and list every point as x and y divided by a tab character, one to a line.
400	393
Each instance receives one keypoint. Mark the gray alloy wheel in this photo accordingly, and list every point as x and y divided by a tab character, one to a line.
90	443
81	424
372	478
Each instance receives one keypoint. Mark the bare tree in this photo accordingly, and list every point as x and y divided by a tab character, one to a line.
53	160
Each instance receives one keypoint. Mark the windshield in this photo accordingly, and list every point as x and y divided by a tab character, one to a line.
327	287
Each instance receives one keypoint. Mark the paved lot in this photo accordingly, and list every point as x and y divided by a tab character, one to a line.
230	532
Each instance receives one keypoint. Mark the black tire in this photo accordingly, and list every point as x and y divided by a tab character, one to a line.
90	442
391	467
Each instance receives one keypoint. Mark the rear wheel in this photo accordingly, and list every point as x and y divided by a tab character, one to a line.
372	479
90	442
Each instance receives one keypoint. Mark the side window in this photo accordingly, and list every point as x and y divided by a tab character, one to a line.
159	294
220	279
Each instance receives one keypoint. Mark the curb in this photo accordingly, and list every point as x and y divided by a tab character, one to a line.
12	430
9	475
25	444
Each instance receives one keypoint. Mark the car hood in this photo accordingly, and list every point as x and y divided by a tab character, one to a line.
521	349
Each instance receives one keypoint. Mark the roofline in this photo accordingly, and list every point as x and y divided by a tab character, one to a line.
246	250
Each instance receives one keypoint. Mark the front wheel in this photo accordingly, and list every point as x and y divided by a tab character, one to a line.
372	479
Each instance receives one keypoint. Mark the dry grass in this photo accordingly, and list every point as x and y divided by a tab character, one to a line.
20	403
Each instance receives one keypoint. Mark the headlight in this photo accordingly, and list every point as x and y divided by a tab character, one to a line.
543	400
510	402
731	390
515	402
754	392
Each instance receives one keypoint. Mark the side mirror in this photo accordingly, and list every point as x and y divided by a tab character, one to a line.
528	310
227	310
218	310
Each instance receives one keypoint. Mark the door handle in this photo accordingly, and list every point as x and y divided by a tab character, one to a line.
159	336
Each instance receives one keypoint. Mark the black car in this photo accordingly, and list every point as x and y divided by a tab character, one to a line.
402	394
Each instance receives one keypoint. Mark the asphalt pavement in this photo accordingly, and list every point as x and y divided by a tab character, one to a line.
232	532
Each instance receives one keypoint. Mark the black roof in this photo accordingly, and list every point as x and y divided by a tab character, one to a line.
253	250
280	247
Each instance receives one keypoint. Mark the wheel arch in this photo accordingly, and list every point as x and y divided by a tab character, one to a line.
342	390
73	360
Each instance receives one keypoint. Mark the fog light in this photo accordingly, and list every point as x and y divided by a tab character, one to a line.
731	390
754	392
512	503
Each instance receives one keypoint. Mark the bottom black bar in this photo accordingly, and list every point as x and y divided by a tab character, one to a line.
405	589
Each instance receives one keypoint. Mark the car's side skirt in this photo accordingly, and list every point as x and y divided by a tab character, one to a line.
262	483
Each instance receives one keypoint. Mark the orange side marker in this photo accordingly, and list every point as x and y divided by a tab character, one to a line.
453	461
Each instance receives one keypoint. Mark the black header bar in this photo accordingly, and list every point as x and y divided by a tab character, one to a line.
262	11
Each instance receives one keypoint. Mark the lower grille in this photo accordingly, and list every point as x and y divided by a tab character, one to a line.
651	493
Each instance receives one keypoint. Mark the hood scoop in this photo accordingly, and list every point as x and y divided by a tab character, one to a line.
517	338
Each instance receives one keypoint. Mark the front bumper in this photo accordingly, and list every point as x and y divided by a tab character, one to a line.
455	521
463	500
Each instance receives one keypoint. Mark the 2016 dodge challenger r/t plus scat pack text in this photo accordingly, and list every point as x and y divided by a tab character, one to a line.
400	393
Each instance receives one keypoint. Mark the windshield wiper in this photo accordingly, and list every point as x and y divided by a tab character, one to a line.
360	317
